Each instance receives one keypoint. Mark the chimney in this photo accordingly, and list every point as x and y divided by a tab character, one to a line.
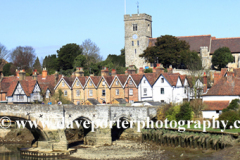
154	69
204	82
217	76
22	75
34	75
141	71
1	77
126	72
92	74
79	72
56	77
104	71
159	68
73	75
230	75
17	73
44	73
131	69
114	72
169	69
35	71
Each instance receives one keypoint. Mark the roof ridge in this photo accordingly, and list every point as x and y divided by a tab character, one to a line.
226	38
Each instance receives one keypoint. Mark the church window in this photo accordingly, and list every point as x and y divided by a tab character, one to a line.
138	43
132	43
134	27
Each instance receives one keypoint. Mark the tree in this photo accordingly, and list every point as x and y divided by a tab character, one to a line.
185	112
169	50
37	65
233	106
4	54
23	58
123	52
51	63
221	57
192	61
79	61
6	69
91	51
149	70
67	54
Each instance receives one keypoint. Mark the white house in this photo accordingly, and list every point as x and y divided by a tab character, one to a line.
168	88
145	92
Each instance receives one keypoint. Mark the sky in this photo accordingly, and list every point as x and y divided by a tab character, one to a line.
47	25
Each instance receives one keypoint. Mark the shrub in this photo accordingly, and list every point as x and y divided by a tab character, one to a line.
149	70
162	112
172	112
230	116
232	106
185	112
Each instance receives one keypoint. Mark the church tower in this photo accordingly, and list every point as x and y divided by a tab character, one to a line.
138	29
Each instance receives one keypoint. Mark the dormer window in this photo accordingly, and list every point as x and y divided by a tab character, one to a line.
103	83
90	83
63	84
78	83
134	27
116	83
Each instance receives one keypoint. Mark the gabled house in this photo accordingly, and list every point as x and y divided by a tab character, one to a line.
103	89
168	88
90	87
78	90
117	89
65	84
131	87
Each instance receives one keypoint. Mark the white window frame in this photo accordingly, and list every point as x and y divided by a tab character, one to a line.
90	83
78	83
77	93
63	83
103	83
90	93
162	80
130	82
145	91
116	83
65	92
162	90
130	92
117	91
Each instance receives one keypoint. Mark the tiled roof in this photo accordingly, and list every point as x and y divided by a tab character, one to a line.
28	86
232	43
215	105
69	80
93	101
83	80
195	42
223	87
182	77
151	77
95	79
109	79
137	78
171	78
122	78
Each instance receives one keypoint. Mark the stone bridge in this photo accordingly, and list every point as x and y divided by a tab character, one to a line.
52	135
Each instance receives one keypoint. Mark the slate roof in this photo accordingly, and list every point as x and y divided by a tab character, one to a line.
232	43
121	100
215	105
93	101
195	42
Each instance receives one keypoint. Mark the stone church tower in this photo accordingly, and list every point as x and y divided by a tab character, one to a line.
138	29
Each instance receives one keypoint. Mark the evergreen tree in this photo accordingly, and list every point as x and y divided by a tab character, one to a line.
221	57
37	65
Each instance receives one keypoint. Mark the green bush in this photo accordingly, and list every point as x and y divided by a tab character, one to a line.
149	70
232	106
230	116
172	112
185	112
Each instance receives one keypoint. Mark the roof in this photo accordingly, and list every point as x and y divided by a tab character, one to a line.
232	43
137	78
93	101
183	77
215	105
172	78
151	77
121	100
195	42
223	87
122	78
83	80
109	79
95	79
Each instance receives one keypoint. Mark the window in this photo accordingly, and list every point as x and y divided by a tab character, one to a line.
162	101
138	43
148	27
103	92
103	83
134	27
130	82
131	101
132	43
135	51
151	64
116	83
162	80
90	83
162	90
130	92
117	91
185	90
90	93
20	97
217	111
77	93
78	83
65	93
63	84
145	91
144	81
47	94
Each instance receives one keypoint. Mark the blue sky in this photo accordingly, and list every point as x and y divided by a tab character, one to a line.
46	25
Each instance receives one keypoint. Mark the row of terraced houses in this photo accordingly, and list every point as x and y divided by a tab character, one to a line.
109	88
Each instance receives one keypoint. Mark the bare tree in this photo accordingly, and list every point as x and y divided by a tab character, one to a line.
91	51
23	57
4	54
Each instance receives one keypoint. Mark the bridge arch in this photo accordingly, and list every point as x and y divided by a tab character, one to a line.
38	133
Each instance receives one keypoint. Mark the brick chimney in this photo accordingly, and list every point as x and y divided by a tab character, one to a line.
114	72
79	72
141	71
34	71
17	73
217	76
154	69
104	71
56	77
22	75
44	73
126	72
169	70
34	76
131	69
160	69
204	82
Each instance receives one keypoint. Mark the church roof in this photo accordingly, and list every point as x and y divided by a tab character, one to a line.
232	43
